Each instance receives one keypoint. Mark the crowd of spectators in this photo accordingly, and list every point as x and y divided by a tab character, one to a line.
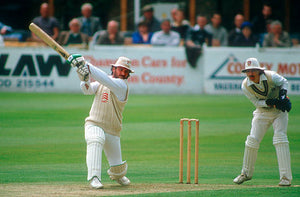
263	30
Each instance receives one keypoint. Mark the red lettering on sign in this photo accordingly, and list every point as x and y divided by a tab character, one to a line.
178	63
147	78
288	69
135	63
268	66
133	79
147	61
235	67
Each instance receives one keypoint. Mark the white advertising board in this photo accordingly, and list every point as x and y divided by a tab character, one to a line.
158	70
223	66
162	70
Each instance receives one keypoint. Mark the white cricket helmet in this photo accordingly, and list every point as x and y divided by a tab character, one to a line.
125	63
252	63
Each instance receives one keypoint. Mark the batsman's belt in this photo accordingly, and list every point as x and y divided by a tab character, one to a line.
117	172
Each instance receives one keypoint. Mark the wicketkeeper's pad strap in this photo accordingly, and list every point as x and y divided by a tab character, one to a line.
117	172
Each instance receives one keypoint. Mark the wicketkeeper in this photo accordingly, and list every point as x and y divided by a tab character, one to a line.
267	91
104	123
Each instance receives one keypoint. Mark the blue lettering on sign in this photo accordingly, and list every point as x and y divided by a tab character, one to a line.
227	86
295	87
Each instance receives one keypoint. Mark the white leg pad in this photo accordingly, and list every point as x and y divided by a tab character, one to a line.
95	138
284	160
250	155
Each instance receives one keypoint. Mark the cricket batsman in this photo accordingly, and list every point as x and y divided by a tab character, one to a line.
267	90
104	123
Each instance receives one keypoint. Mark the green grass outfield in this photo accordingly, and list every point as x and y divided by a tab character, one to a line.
42	147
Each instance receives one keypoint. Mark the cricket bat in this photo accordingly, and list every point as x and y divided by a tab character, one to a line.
48	40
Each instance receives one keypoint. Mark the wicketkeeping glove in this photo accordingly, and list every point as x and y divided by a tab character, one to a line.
282	94
275	102
286	104
284	101
272	102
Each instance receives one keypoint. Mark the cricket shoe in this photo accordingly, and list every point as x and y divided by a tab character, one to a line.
284	182
241	179
123	181
95	183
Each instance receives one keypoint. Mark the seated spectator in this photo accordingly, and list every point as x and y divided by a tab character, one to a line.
148	16
9	34
166	37
236	31
247	38
198	35
90	24
219	33
4	29
111	36
74	36
47	23
262	35
142	36
180	25
295	38
277	37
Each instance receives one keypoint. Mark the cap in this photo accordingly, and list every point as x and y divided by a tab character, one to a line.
246	24
147	8
252	63
124	62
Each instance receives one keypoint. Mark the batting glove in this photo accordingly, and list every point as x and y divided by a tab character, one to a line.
83	73
76	60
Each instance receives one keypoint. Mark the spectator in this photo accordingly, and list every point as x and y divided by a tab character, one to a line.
166	37
47	23
277	37
111	36
90	24
219	33
262	35
74	36
180	25
236	31
148	16
5	29
295	38
173	14
198	35
247	38
142	36
9	34
260	22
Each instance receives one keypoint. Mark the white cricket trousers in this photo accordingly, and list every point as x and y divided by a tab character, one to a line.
261	121
97	140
